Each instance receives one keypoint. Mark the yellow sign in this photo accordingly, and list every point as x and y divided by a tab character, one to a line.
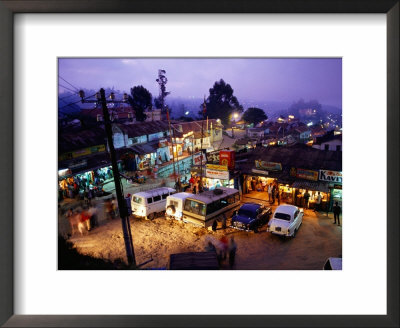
217	167
82	152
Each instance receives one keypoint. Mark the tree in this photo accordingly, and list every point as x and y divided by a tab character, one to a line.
254	115
221	102
140	100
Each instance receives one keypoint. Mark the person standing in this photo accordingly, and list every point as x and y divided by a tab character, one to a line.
336	212
318	202
273	194
270	192
306	199
232	252
278	196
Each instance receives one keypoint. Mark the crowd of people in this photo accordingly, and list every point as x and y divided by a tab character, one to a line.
88	185
84	217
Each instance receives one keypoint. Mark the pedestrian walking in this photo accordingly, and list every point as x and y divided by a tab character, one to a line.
232	252
224	247
270	192
336	213
306	198
108	208
92	211
210	247
85	218
318	202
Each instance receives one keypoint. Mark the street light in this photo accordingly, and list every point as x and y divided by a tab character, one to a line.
236	115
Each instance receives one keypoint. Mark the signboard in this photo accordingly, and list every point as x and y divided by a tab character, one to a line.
330	176
213	157
78	165
217	174
227	157
259	171
82	152
197	159
269	166
307	174
217	167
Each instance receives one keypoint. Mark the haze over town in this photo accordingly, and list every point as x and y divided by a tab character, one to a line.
268	83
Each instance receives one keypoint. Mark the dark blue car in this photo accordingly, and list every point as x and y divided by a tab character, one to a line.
251	216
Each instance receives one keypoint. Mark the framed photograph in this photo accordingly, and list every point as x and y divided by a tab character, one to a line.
346	53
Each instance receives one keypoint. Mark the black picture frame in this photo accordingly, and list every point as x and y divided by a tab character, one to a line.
10	7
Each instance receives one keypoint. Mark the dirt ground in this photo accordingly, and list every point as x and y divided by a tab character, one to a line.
317	239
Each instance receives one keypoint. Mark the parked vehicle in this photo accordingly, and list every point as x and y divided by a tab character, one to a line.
150	203
333	263
286	220
175	204
210	207
251	216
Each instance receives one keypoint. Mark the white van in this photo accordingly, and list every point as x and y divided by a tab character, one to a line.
149	203
175	204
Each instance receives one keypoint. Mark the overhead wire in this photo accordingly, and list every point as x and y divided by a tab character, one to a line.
63	86
77	89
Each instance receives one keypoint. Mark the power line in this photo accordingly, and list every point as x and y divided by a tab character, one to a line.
73	103
77	89
67	96
62	86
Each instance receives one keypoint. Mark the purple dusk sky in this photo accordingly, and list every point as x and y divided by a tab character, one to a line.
257	79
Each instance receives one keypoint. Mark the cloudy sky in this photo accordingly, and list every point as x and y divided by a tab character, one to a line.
257	79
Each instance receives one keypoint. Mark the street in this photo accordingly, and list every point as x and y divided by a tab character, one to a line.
317	239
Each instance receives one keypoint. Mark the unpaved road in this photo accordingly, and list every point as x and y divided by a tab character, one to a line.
316	240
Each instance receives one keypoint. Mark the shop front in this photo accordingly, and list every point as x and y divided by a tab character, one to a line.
307	182
217	176
75	181
334	179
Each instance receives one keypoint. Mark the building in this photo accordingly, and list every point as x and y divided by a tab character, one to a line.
330	141
190	134
295	170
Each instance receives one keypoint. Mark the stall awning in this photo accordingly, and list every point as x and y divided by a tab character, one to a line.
311	185
146	148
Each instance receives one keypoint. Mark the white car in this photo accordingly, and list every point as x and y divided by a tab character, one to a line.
286	220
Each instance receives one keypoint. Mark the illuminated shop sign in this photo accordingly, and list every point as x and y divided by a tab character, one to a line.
330	176
217	174
304	174
269	166
217	167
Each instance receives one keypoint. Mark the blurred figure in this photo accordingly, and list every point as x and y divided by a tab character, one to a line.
108	209
232	252
114	206
75	221
93	216
210	247
224	247
85	218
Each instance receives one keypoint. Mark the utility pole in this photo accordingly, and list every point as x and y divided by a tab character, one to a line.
123	211
172	142
201	146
